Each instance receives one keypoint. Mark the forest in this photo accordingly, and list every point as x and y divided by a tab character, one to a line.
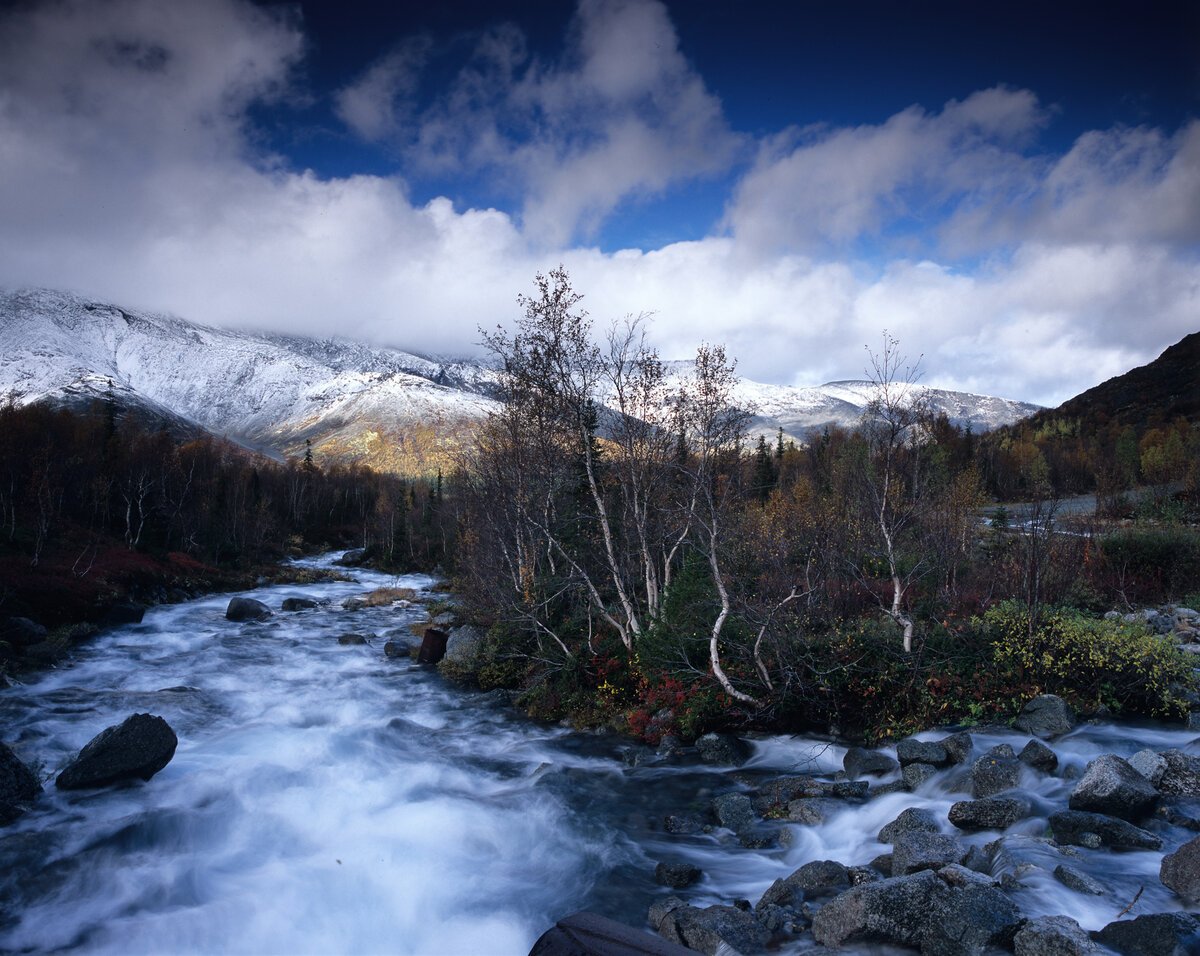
640	561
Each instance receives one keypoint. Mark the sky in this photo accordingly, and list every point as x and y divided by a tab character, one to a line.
1011	191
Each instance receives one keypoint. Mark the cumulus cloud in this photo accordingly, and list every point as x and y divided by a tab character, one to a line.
131	171
620	114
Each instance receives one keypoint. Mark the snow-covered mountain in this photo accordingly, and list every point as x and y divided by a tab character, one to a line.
353	401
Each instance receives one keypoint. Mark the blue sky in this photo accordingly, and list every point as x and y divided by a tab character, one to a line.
1012	191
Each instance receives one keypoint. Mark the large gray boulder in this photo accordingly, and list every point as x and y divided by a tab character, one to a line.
1079	828
1181	777
1037	755
300	603
859	762
969	922
819	876
678	876
957	746
735	811
247	609
996	771
1150	765
912	820
1113	787
1180	871
917	850
922	751
723	749
707	930
895	910
586	934
464	646
19	786
1051	936
990	813
1046	716
1155	934
137	748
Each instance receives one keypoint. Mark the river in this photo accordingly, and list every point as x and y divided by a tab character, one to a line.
326	799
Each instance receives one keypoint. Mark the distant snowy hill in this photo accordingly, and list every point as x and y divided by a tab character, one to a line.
391	408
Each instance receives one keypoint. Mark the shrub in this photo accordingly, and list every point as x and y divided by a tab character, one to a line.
1154	562
1091	660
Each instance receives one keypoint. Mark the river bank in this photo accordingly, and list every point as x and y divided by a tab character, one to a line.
327	798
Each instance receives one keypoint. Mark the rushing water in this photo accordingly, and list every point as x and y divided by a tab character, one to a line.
326	799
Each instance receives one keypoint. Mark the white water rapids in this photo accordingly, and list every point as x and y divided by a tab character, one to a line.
326	799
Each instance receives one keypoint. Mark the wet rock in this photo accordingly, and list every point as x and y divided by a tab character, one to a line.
970	921
463	647
1075	880
433	646
922	751
912	820
990	813
811	813
895	910
958	747
348	640
677	875
996	771
1014	856
19	786
882	864
139	747
1071	828
818	876
669	746
21	632
723	749
1180	872
734	810
1156	934
915	851
681	825
586	934
397	649
859	762
756	838
782	790
708	929
123	612
1150	765
1051	936
298	604
978	860
1046	716
1182	775
849	789
352	558
781	894
916	774
1037	755
247	609
1112	787
960	876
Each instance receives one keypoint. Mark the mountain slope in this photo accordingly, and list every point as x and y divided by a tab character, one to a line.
353	401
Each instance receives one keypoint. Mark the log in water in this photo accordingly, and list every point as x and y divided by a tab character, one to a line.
327	799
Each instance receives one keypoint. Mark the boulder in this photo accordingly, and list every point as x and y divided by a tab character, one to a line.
463	647
1180	872
1072	828
586	934
916	850
21	632
916	774
1113	787
1150	765
969	921
734	810
912	820
990	813
957	747
139	747
1155	934
123	612
351	639
723	749
781	791
707	930
859	762
678	876
19	786
681	825
1181	778
298	604
819	876
996	771
1051	936
247	609
352	558
922	751
895	910
782	894
397	649
1046	716
1073	879
1037	755
960	876
433	646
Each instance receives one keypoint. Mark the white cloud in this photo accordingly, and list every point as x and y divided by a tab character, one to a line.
129	171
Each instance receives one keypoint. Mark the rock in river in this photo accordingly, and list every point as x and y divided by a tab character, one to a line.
137	748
